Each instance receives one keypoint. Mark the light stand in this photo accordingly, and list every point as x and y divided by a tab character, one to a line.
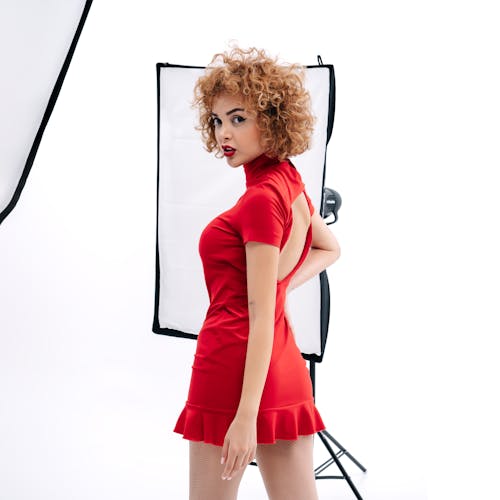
331	205
334	456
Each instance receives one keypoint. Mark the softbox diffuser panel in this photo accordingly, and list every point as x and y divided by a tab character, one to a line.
194	187
37	42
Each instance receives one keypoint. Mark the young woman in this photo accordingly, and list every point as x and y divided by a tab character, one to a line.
250	395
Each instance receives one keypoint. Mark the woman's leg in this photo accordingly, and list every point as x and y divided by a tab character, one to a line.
287	469
205	472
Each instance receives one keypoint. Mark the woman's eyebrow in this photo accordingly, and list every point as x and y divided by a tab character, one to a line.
234	111
229	112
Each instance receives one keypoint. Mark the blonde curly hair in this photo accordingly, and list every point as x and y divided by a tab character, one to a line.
275	92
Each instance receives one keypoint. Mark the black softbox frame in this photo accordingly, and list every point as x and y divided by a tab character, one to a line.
26	112
178	280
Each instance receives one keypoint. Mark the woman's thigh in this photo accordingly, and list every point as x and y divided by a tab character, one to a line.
287	469
205	471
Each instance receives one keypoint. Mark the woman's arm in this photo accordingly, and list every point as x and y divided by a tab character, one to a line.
325	250
262	274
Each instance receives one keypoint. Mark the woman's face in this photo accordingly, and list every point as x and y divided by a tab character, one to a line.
236	130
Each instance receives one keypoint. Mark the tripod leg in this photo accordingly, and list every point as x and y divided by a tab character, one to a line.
343	450
340	466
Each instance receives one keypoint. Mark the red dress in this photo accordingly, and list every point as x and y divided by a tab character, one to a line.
263	214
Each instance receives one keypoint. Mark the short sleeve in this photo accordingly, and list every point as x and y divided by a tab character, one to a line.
262	217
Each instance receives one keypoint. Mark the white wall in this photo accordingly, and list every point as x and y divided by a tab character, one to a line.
89	394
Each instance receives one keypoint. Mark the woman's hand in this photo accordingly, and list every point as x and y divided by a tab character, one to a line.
240	445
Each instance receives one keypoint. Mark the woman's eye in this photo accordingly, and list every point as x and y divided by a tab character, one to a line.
238	119
216	121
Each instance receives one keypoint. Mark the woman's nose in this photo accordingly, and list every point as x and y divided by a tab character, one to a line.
224	133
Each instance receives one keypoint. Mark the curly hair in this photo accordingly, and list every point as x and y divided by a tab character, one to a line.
275	92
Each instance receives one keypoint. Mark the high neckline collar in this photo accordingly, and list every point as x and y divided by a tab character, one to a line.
255	168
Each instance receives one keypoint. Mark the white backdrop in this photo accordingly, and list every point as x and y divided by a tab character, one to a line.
90	394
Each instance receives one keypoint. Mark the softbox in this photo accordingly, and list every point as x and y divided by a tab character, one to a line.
37	42
193	187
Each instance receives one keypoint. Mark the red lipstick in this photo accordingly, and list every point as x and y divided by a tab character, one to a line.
228	151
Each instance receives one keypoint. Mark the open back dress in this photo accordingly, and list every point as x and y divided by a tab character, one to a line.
287	410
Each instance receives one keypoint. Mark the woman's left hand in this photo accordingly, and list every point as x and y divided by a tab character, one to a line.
240	445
